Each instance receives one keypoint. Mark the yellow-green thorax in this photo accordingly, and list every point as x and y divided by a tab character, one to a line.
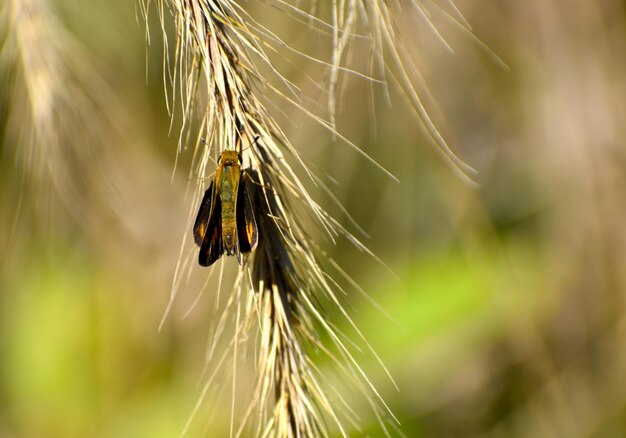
227	185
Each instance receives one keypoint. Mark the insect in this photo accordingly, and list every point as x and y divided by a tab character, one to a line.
225	223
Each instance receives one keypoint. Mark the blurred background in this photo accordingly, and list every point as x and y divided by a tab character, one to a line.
505	313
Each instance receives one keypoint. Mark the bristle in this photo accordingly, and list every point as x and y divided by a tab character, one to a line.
68	121
215	77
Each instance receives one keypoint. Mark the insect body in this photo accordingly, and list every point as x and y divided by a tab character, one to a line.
225	222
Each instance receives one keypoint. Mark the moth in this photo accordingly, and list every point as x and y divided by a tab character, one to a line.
225	223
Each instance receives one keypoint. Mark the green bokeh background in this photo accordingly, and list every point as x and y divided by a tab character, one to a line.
503	313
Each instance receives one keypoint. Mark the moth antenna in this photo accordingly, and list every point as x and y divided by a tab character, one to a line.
251	144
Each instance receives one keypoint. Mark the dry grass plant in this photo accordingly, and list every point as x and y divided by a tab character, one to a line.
215	78
65	125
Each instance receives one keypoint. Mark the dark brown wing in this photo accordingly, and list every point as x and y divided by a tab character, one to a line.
212	247
202	219
246	224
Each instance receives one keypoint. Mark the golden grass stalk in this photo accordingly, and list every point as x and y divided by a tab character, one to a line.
37	51
391	61
64	121
285	378
214	78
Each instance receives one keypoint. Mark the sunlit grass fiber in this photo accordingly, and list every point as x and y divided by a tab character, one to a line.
214	77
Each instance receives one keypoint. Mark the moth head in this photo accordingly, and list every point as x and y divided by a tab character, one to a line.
230	158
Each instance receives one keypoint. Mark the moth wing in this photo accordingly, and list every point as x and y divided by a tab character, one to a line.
246	223
212	247
202	219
